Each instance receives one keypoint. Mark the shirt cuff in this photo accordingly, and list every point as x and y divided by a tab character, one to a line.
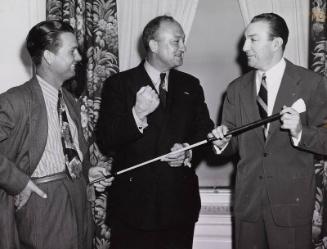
141	125
188	156
296	141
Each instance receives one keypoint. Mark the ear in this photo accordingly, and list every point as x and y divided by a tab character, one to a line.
153	45
277	43
48	56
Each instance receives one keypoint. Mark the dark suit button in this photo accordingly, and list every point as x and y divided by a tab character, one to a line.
260	177
265	154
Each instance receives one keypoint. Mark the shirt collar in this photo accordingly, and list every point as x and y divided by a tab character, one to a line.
49	92
154	74
276	70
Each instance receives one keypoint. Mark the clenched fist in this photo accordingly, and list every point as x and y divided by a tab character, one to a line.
147	101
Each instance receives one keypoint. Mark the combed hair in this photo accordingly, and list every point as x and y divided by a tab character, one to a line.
45	36
150	30
278	26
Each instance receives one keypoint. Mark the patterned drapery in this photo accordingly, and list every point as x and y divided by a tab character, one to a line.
317	62
95	23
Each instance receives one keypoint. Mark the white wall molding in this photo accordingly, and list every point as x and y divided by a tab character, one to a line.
214	228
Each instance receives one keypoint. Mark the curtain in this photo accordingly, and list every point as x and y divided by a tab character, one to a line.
295	13
317	62
95	23
133	15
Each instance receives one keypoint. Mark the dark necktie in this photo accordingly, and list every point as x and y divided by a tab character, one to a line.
262	100
162	91
72	160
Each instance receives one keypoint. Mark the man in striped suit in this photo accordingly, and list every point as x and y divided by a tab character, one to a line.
44	166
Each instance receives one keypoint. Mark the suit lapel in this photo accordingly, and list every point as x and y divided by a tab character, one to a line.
166	114
287	94
248	98
141	79
172	88
39	123
74	113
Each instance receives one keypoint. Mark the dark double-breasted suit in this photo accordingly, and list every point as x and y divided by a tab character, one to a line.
23	136
275	168
155	196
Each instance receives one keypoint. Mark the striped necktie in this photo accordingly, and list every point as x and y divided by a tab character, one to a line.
262	101
162	91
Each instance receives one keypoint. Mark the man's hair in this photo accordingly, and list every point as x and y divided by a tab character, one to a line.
45	36
277	25
150	30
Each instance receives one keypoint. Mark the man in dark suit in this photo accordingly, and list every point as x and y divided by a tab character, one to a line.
275	181
43	201
146	112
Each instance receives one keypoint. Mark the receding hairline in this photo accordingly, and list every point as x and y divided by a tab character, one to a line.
163	25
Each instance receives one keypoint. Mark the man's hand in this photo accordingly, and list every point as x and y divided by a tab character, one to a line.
22	198
291	121
147	101
97	173
175	159
219	133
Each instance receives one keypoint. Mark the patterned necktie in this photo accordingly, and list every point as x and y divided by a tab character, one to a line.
72	160
262	101
162	91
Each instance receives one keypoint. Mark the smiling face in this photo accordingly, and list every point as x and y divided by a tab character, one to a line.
260	47
66	57
168	46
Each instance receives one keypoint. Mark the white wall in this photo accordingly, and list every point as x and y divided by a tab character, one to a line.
16	19
212	52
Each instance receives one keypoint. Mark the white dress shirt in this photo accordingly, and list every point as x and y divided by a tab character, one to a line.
53	159
273	79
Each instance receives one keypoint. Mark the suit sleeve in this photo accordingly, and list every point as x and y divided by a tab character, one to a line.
229	119
116	126
12	180
314	131
202	124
